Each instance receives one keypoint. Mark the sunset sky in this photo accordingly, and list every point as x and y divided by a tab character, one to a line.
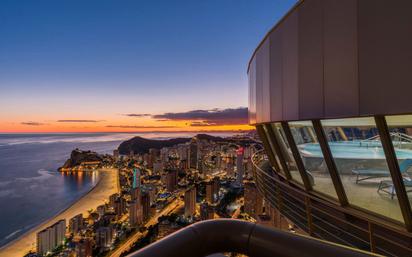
122	66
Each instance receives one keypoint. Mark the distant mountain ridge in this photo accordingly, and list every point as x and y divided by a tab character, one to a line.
140	145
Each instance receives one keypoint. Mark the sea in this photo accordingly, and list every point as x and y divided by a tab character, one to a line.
31	188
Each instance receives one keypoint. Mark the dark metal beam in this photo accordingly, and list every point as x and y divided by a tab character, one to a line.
394	170
268	149
330	163
278	151
297	157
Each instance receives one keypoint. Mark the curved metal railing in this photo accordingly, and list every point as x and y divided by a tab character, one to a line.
229	235
324	219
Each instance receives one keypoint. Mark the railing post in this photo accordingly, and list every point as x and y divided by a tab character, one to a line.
279	197
330	163
371	238
393	166
296	155
309	215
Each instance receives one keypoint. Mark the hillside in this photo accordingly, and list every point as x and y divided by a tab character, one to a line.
142	145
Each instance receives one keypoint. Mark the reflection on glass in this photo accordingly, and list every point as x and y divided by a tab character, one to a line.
272	147
400	129
360	160
305	138
286	151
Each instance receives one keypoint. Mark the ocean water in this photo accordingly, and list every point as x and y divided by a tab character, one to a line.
31	189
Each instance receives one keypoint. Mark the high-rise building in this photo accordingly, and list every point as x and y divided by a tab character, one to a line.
216	188
136	178
171	179
51	237
152	190
253	200
207	211
76	224
239	166
164	154
135	213
193	154
84	248
190	202
212	190
209	191
145	205
183	151
120	206
104	237
135	193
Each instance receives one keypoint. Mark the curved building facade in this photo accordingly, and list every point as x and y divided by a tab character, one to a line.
330	93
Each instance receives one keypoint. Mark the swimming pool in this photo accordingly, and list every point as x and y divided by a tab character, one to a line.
353	150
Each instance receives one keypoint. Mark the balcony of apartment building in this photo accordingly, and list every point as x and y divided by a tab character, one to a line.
343	180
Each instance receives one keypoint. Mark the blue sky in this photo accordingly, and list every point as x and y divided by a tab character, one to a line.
98	59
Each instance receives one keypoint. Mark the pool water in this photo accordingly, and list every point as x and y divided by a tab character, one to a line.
353	150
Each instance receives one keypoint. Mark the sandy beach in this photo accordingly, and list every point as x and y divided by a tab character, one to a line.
107	185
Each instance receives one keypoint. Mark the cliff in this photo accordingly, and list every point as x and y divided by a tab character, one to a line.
78	156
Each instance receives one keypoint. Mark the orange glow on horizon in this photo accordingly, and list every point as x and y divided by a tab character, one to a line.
14	127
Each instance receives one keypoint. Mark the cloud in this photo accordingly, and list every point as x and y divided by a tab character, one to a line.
80	121
213	117
33	123
139	127
137	114
202	124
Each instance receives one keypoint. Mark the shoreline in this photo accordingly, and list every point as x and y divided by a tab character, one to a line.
97	195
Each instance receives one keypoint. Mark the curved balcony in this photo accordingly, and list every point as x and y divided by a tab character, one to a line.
229	235
324	219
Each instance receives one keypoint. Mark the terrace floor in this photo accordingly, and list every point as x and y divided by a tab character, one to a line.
364	194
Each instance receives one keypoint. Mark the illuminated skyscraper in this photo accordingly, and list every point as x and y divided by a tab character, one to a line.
51	237
253	200
144	204
136	178
239	166
104	237
76	224
171	179
212	190
135	214
190	202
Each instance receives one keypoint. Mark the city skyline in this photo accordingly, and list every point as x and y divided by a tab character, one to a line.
132	67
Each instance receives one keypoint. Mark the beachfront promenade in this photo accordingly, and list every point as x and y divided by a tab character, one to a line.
107	185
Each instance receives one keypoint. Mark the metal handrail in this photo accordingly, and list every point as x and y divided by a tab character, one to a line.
286	188
230	235
395	135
